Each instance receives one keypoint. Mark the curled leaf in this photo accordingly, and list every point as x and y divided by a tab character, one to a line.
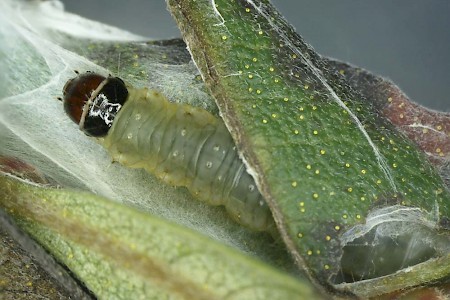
341	181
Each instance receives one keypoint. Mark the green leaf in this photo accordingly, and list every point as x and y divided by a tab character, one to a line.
122	253
428	128
333	170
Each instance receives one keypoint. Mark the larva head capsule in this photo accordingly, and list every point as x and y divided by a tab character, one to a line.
92	101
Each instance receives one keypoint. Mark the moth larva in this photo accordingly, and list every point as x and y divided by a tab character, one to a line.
180	144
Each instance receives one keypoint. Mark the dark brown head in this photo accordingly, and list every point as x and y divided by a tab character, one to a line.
92	101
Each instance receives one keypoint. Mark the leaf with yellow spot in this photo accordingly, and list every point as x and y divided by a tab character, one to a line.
369	172
429	129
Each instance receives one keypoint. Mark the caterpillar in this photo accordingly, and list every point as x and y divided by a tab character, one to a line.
180	144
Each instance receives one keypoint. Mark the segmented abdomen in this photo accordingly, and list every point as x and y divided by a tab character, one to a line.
186	146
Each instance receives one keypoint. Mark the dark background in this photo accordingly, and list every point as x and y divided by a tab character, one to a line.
407	41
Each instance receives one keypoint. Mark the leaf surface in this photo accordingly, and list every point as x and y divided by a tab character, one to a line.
121	253
331	167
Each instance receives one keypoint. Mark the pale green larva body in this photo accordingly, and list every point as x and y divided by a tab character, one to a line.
186	146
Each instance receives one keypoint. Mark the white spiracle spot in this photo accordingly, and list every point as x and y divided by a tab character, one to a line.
130	136
183	132
209	164
137	117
